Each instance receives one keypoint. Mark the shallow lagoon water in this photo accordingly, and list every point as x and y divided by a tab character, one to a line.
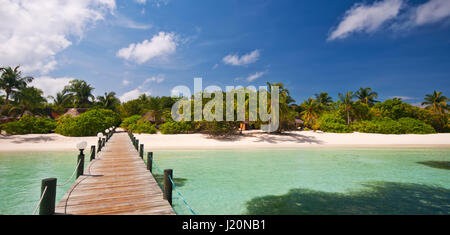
322	181
301	181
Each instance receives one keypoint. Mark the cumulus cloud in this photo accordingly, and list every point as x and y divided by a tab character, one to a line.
246	59
160	46
432	11
366	18
49	85
158	79
255	76
394	13
125	82
133	94
33	32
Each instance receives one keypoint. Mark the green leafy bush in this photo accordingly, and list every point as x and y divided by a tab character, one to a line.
414	126
143	127
388	126
333	122
29	125
88	123
175	127
129	121
216	128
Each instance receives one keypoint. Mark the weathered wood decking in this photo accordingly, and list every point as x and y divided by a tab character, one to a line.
116	182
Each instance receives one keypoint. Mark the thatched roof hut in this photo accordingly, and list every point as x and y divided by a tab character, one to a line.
153	116
74	112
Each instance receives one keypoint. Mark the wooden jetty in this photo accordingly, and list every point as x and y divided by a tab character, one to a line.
116	182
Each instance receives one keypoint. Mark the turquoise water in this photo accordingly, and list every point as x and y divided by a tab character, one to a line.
310	181
302	181
21	174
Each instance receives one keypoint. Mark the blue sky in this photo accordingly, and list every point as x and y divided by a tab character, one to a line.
397	47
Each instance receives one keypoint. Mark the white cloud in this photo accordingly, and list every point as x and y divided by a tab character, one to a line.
49	85
403	97
366	18
126	82
160	46
256	76
133	94
158	79
432	11
33	32
126	22
246	59
215	66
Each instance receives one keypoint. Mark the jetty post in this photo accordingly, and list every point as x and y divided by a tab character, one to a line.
149	161
48	195
141	151
92	152
168	176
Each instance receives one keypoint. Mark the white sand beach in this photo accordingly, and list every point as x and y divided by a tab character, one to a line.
250	139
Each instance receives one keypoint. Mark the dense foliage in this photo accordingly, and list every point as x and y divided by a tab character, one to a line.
129	121
353	111
176	127
87	124
143	128
389	126
29	125
332	122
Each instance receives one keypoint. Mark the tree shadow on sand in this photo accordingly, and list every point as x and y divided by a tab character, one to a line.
38	139
275	138
378	198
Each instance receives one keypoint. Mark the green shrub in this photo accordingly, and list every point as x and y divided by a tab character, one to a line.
129	121
414	126
88	123
175	127
216	128
29	125
333	122
142	127
388	126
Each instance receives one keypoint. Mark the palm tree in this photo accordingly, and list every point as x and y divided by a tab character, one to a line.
61	100
366	96
347	103
109	101
81	92
323	100
11	81
27	99
310	110
436	102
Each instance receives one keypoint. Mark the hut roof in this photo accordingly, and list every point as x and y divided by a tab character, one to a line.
151	116
299	121
74	112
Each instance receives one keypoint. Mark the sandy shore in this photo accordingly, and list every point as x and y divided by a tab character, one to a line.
42	142
249	140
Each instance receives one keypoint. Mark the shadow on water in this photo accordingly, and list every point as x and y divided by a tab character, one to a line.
179	182
378	198
437	164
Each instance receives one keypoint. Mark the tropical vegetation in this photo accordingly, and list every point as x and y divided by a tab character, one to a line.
24	110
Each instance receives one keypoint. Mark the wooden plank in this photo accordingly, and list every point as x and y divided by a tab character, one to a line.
116	182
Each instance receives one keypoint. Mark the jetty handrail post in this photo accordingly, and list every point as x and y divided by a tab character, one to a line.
48	188
137	144
103	142
92	152
167	194
99	145
149	161
141	151
80	168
